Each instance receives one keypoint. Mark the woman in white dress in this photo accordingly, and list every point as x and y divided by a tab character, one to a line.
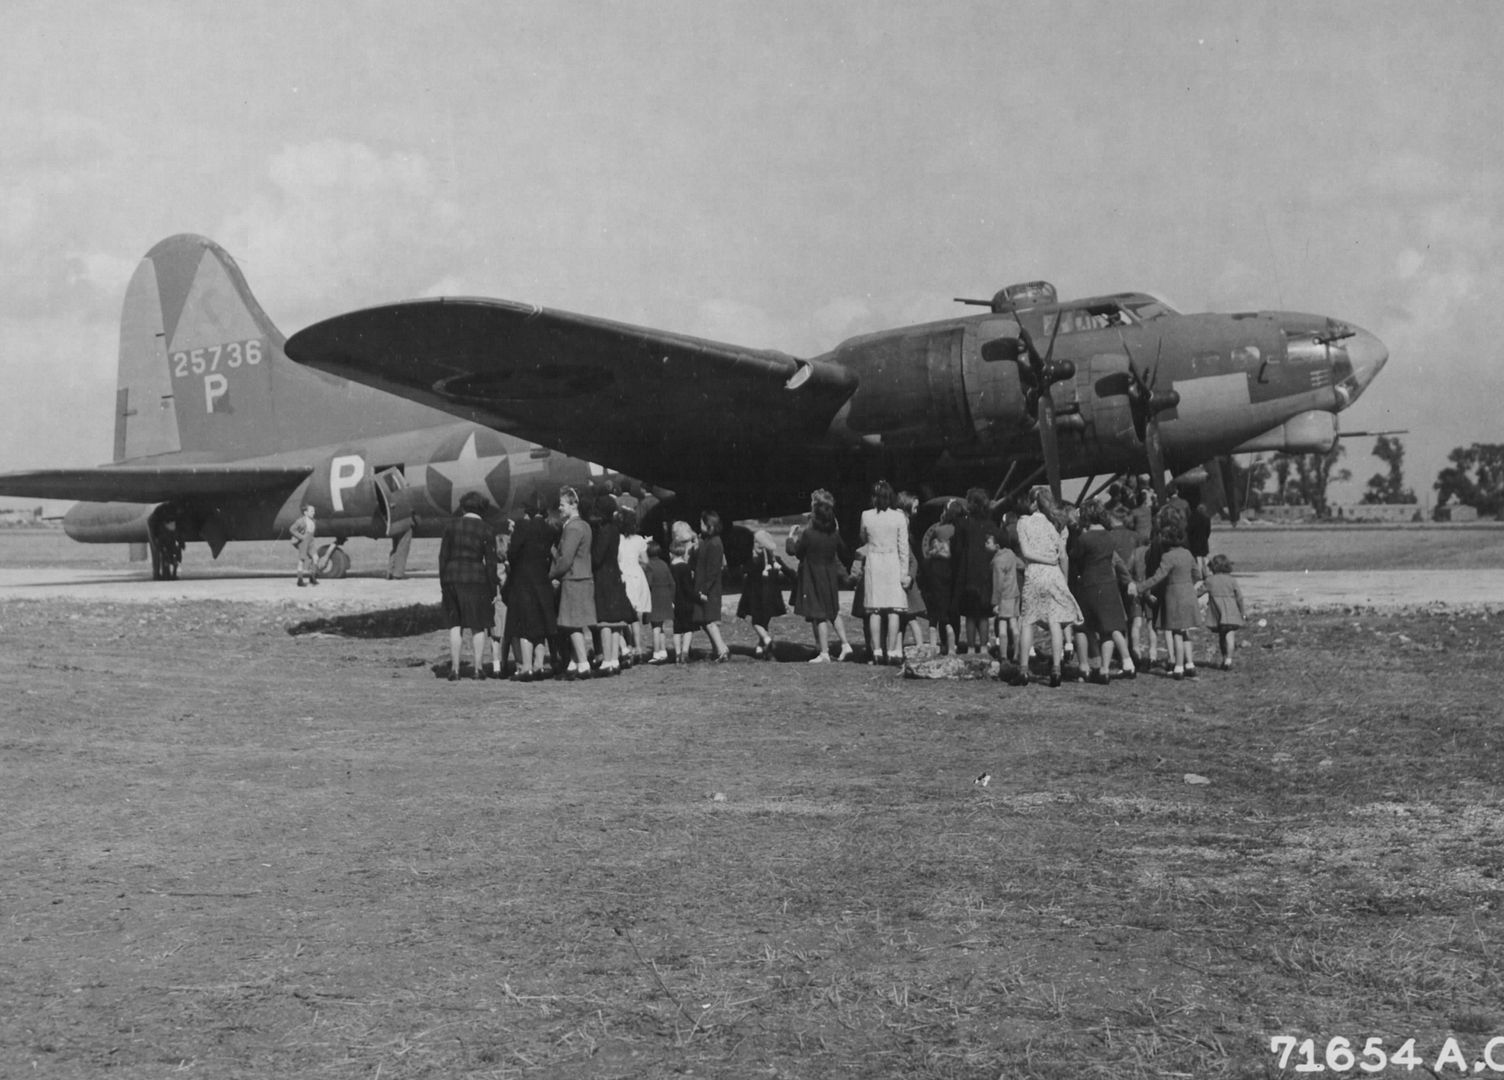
632	558
885	578
1047	595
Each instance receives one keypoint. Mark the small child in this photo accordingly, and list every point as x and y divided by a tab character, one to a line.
685	594
1143	615
661	589
1224	607
1006	570
762	592
914	618
1177	605
853	580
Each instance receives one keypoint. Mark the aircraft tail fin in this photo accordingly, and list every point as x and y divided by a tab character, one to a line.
202	369
196	356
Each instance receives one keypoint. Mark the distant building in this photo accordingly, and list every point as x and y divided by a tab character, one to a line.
1378	511
1456	512
1284	512
25	518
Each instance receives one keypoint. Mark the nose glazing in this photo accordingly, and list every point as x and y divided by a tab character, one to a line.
1365	356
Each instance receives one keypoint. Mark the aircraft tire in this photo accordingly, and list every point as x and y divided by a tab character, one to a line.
339	564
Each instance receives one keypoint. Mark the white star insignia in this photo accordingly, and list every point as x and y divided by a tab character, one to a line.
468	472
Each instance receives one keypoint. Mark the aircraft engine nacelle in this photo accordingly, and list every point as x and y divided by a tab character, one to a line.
109	523
1308	433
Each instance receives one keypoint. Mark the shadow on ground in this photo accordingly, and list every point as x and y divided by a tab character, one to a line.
410	621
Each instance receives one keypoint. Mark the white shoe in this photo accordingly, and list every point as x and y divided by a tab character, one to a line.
823	658
846	653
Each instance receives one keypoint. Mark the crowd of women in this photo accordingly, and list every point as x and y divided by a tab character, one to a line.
581	595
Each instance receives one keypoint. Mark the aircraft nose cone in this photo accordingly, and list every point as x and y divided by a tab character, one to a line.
1367	355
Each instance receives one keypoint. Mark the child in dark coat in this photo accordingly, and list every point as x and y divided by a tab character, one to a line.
762	592
1224	607
686	597
661	589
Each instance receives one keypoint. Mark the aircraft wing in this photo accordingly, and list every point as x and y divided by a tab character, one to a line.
653	404
148	483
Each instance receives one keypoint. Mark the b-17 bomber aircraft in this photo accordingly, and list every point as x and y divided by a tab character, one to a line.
1031	388
218	437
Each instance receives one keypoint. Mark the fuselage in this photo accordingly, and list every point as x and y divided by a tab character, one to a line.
940	400
369	487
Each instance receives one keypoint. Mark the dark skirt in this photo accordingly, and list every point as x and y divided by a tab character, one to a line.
531	607
937	593
663	603
975	602
612	605
470	607
761	600
1102	608
819	591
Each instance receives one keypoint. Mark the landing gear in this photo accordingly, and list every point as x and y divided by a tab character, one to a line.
332	560
166	547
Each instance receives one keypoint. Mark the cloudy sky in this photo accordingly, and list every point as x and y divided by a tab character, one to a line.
779	175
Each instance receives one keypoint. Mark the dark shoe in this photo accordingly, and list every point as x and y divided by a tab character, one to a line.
313	581
757	652
1129	673
724	657
454	676
1099	677
1019	678
301	583
1054	679
1190	671
480	676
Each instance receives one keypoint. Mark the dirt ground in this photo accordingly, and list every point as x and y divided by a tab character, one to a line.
257	837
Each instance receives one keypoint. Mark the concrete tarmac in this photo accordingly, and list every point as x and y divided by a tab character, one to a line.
1324	590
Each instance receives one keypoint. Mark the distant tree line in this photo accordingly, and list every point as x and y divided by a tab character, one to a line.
1304	479
1474	478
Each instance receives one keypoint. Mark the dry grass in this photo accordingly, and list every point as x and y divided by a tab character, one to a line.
237	852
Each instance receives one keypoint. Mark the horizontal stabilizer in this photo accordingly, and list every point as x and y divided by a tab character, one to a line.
149	483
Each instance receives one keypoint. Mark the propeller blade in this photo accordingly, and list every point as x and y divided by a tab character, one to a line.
1145	406
1048	443
1156	457
1230	486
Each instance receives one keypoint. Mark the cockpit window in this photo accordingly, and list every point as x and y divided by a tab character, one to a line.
1146	308
1094	316
1126	309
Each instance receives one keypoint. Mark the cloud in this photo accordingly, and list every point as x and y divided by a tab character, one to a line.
841	318
736	323
60	390
341	225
